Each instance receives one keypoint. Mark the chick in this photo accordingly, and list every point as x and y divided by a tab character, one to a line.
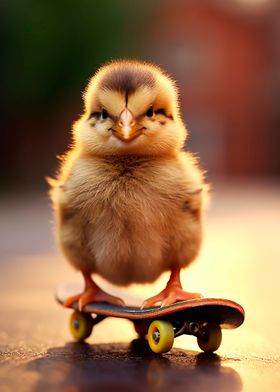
127	198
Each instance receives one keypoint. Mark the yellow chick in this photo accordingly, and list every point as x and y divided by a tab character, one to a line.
128	198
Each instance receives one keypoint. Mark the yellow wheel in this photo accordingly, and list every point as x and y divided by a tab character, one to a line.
80	325
160	336
212	340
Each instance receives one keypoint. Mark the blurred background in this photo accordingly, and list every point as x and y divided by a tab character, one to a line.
225	56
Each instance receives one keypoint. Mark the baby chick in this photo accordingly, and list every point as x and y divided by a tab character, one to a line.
127	198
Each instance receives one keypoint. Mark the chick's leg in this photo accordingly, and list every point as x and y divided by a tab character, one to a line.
92	293
172	293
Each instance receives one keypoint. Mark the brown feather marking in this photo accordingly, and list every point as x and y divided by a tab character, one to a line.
127	79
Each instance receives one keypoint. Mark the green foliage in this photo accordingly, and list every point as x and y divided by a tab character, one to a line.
51	48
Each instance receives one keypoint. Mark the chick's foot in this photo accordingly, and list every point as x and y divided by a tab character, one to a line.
92	293
169	296
172	293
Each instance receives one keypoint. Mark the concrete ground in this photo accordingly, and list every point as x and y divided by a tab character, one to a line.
239	261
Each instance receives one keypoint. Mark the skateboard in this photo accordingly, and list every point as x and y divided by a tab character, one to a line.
203	318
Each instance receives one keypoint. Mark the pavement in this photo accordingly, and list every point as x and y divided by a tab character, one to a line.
239	261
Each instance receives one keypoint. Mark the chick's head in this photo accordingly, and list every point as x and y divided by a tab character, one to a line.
130	108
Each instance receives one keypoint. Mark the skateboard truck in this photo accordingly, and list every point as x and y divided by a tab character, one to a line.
188	328
194	328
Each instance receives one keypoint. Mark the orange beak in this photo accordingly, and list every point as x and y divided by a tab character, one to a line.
126	128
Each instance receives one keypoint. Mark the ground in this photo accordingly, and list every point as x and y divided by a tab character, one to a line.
239	261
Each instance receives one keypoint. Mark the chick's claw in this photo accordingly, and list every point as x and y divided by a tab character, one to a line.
70	300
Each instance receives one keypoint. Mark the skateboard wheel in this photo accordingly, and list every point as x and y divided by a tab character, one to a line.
160	336
212	340
80	325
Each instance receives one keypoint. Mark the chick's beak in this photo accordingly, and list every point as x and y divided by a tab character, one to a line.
126	128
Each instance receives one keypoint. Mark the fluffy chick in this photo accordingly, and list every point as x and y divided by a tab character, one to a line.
127	198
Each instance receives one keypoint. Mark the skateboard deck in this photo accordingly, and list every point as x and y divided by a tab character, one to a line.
203	318
228	314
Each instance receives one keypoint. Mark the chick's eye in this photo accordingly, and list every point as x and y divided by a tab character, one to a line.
160	111
104	114
150	112
95	115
